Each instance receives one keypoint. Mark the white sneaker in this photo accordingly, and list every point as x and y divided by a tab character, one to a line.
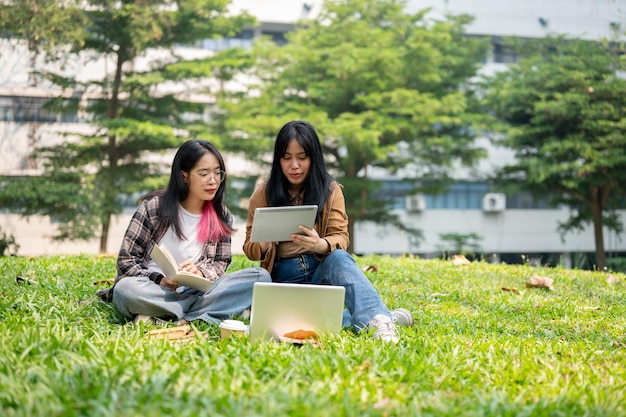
385	328
402	317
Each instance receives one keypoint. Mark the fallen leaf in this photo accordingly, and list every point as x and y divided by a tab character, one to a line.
515	290
460	260
104	281
302	334
22	280
537	281
384	403
364	366
439	294
371	268
612	279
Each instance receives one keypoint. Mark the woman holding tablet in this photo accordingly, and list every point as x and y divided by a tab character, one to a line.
298	176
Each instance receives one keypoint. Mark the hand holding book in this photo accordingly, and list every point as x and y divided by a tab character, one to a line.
190	267
168	265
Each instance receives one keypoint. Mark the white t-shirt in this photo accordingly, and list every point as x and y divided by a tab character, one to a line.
182	250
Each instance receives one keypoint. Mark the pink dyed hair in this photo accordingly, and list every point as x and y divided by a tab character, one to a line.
210	227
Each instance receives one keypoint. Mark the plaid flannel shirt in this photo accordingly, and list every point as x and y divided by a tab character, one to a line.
144	231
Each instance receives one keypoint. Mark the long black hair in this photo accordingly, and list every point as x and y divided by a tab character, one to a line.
177	191
317	183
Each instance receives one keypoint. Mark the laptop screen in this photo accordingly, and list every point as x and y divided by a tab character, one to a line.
279	308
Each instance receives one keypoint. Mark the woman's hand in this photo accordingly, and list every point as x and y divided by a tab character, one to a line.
310	241
168	284
265	246
190	267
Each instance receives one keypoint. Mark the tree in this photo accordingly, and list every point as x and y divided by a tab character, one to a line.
134	110
385	89
563	109
459	243
8	246
43	25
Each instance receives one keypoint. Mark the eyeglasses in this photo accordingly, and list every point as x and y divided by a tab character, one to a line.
207	177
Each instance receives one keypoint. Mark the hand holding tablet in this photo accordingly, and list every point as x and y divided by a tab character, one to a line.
276	224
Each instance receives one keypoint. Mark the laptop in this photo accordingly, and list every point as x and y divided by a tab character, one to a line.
275	224
279	308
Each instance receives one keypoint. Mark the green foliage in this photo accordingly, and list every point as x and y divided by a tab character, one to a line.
563	110
475	350
384	89
46	26
616	264
459	243
131	113
8	246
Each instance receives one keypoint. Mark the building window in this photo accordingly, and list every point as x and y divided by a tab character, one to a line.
278	37
527	201
460	196
31	110
394	193
504	55
241	40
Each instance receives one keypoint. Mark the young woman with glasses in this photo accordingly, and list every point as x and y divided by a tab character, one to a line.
190	219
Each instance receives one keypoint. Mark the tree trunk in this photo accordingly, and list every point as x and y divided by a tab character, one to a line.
362	209
598	234
110	191
104	235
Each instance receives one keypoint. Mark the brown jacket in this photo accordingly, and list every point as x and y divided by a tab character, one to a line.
333	226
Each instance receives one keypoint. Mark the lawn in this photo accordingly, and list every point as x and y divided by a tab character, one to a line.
484	344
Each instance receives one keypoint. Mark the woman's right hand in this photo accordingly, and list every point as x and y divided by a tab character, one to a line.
168	283
265	246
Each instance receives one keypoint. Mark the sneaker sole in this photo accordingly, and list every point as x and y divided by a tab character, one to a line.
408	314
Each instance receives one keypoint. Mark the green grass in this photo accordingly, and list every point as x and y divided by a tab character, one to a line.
475	350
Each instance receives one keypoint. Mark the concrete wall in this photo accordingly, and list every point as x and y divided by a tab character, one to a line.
589	19
33	236
509	231
586	18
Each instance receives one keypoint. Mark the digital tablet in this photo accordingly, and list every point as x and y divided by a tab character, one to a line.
275	224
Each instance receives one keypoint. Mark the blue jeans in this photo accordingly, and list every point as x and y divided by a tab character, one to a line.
338	268
229	295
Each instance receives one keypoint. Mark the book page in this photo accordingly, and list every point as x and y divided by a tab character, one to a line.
164	259
192	280
166	262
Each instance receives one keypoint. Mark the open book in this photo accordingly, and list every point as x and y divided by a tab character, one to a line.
166	262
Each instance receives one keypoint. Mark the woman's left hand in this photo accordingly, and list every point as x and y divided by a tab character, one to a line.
310	240
189	267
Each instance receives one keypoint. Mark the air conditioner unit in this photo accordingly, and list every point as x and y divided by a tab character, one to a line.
415	202
494	202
